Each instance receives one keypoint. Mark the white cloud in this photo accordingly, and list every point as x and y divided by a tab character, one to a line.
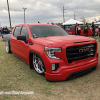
48	10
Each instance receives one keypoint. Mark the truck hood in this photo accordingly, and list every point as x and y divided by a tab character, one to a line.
58	41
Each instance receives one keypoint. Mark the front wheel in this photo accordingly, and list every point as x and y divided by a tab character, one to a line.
8	50
38	64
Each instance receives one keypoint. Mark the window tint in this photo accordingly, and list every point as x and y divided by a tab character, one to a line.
82	27
67	27
73	28
24	32
47	30
17	31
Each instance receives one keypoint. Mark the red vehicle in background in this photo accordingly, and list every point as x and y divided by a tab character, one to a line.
82	33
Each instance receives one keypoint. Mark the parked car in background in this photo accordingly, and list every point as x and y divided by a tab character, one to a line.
5	36
50	50
82	33
6	33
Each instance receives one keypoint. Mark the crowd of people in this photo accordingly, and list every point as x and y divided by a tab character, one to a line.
78	29
99	32
4	30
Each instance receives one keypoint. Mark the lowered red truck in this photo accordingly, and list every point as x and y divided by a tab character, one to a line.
82	33
53	52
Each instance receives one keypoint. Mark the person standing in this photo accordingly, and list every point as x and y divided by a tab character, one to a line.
0	31
93	29
86	29
76	29
99	32
6	30
63	26
3	30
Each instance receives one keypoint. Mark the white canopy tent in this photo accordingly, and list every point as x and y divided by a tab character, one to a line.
72	22
97	23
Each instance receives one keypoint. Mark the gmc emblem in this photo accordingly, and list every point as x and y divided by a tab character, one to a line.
84	50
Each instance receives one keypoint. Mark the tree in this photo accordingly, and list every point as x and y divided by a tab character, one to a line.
84	20
59	23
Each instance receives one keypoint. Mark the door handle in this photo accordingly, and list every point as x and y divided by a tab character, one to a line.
17	41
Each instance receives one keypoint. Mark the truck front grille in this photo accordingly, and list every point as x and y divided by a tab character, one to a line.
80	52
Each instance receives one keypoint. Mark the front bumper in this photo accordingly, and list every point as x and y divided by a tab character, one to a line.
64	74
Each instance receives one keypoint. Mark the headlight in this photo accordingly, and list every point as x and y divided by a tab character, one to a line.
50	52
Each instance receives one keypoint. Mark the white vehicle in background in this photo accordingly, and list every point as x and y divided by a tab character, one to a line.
5	36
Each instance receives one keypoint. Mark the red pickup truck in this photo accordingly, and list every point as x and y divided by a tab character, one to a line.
82	33
52	51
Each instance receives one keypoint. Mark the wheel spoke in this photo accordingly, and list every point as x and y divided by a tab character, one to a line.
41	66
37	63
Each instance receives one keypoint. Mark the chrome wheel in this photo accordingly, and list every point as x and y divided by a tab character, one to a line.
7	46
38	65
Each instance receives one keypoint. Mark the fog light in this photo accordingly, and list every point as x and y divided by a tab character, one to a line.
55	66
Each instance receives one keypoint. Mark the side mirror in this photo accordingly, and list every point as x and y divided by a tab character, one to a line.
21	37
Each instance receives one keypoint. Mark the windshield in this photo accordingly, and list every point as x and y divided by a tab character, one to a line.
47	30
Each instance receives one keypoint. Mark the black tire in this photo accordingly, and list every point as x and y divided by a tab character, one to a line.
8	50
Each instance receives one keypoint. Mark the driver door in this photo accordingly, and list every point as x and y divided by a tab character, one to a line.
23	46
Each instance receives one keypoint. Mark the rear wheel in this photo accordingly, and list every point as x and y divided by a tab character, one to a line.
38	64
8	46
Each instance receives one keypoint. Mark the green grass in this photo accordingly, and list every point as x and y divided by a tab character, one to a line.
96	38
15	75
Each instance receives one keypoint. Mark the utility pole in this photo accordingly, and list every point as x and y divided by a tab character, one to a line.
24	14
74	17
63	14
9	14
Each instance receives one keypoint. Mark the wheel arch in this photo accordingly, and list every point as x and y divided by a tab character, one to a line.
31	59
9	45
